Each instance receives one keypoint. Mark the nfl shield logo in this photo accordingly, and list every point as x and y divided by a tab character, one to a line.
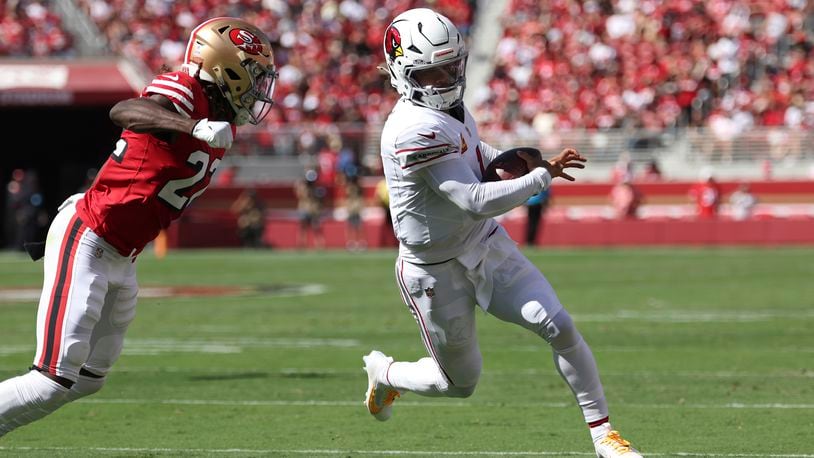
98	252
430	292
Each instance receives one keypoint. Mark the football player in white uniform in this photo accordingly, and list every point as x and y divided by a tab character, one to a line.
453	256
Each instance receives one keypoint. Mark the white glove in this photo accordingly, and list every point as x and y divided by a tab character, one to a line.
218	134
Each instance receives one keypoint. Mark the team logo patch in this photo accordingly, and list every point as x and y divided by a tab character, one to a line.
430	292
464	146
246	41
392	43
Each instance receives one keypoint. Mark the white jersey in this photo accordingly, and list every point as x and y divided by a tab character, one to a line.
434	164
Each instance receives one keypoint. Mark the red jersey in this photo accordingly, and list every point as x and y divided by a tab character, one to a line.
707	198
146	183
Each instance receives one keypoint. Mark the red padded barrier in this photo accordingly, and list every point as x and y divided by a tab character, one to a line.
209	223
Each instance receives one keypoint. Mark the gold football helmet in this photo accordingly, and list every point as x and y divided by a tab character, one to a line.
237	57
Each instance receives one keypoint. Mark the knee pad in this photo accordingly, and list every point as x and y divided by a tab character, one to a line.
76	354
560	332
125	310
86	384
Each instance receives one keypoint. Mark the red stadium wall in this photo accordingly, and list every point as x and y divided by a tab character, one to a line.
210	223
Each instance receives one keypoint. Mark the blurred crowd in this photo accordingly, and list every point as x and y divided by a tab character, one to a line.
723	64
326	51
31	28
726	65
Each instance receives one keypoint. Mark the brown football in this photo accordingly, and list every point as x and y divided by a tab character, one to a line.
508	164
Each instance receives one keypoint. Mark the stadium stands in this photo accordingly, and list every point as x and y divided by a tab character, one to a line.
723	64
326	51
610	77
722	83
29	28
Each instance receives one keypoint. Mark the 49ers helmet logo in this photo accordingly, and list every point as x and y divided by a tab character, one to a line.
392	43
246	41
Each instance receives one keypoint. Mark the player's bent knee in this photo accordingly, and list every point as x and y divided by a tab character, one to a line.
561	332
464	370
86	384
460	391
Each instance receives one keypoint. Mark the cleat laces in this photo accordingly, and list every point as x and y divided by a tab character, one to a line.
614	440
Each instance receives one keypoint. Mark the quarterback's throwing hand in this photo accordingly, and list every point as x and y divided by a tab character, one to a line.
218	134
567	159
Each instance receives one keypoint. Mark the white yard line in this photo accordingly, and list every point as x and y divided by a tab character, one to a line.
694	316
431	404
350	452
314	371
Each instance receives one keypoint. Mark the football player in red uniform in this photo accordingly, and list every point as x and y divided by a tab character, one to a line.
174	137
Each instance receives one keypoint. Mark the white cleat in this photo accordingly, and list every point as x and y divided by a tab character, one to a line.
614	446
379	397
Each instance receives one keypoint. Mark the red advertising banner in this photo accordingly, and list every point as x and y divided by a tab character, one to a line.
61	83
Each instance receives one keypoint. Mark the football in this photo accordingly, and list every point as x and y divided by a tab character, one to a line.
509	164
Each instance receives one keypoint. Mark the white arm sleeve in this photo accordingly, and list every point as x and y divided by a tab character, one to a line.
456	182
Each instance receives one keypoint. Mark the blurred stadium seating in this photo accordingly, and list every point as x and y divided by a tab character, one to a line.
32	29
723	86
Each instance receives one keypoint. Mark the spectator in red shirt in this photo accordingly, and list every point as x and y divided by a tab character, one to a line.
707	196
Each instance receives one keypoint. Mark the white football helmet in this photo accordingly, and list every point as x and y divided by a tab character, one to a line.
236	56
426	58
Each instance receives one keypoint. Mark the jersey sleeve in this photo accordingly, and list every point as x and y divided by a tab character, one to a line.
420	145
460	186
177	87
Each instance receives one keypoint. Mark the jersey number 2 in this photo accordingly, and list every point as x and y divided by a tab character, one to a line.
172	191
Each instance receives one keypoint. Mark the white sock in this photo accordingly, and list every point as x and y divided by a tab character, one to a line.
28	398
577	367
599	432
422	377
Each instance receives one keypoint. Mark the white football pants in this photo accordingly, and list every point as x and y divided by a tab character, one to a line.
443	299
88	300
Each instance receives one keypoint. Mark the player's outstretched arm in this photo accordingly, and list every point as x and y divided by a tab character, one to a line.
567	159
458	184
154	114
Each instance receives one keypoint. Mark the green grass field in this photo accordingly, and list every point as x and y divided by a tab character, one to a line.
702	351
